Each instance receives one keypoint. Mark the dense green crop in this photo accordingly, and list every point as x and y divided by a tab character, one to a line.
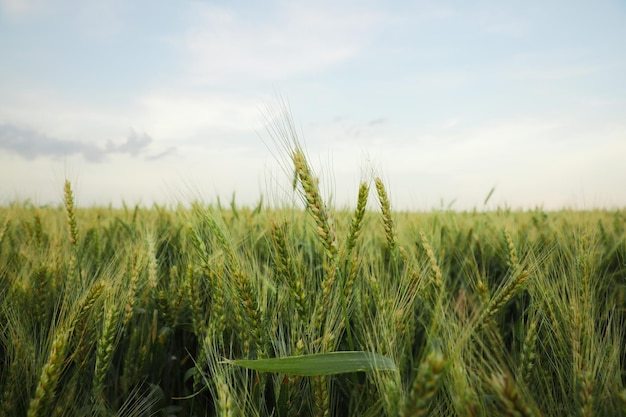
141	311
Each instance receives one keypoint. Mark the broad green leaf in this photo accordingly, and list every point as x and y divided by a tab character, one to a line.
321	363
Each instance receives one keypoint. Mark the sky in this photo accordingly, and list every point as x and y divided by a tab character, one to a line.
143	102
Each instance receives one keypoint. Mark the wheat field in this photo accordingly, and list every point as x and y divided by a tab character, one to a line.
183	311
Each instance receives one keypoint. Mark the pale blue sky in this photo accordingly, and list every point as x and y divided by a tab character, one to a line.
162	101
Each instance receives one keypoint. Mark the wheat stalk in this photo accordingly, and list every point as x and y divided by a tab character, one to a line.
321	215
512	252
385	207
425	385
71	213
193	291
463	395
357	218
132	292
585	393
73	230
321	397
104	351
153	278
42	290
81	325
510	397
432	260
502	297
285	267
50	373
527	360
225	400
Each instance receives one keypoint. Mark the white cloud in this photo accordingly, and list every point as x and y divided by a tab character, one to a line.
203	174
179	114
167	116
57	116
532	161
212	93
302	39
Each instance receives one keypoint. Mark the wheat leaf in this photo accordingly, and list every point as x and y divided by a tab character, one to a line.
321	363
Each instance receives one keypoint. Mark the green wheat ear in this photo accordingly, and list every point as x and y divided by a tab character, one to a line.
425	385
105	349
506	292
321	215
511	399
385	205
71	212
43	400
357	218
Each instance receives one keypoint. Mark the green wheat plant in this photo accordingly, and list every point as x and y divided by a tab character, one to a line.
308	309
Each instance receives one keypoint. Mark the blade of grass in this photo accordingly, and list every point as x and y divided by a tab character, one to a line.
321	363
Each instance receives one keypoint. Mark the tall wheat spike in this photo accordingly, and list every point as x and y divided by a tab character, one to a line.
512	252
425	385
321	396
132	291
385	206
527	360
437	276
357	218
83	333
104	351
585	393
70	210
287	269
248	308
71	213
42	402
356	224
321	215
503	296
193	291
511	399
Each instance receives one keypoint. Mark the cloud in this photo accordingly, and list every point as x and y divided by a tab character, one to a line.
342	128
356	129
379	121
31	144
171	116
297	39
187	114
169	151
134	144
